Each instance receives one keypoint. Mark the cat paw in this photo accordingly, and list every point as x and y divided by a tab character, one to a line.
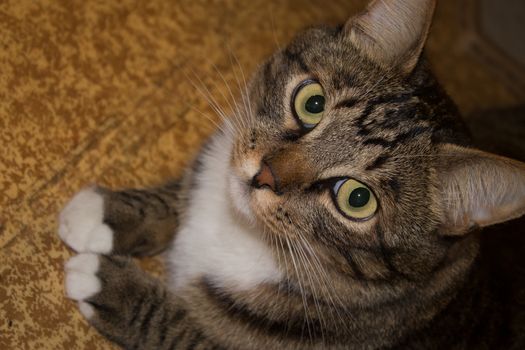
104	285
82	282
81	223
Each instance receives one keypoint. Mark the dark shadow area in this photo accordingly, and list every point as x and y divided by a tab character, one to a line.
500	131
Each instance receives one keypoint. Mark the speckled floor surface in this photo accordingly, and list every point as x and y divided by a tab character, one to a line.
98	92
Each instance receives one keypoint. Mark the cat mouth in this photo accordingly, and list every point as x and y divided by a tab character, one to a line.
240	194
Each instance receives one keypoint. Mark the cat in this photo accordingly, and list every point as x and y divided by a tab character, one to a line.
339	208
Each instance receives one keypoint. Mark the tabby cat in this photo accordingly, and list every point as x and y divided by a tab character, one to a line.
339	209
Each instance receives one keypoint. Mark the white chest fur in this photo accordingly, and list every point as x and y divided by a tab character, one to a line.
213	242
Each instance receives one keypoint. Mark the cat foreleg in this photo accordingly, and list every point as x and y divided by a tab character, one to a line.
129	222
128	306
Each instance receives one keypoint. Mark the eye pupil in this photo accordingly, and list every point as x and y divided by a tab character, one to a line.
315	104
359	197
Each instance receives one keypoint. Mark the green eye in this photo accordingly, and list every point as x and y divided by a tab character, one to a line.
354	199
308	103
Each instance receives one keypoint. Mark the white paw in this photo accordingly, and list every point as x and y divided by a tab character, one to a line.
81	223
82	282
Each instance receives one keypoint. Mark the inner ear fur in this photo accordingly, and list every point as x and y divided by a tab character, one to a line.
478	188
392	33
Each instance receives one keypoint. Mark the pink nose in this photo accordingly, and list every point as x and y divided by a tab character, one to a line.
264	178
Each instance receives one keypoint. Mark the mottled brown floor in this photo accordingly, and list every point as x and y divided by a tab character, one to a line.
99	93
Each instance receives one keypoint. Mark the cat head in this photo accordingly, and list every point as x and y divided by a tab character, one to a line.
347	148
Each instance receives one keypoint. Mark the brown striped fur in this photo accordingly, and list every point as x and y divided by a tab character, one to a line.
411	277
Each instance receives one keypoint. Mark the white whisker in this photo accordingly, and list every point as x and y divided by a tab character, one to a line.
206	93
301	289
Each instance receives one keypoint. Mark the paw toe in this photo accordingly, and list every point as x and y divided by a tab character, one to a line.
80	286
101	240
86	310
86	263
81	280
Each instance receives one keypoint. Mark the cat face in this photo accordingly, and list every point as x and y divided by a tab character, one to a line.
347	146
342	147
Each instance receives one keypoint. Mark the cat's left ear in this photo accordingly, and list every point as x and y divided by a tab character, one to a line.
478	189
392	33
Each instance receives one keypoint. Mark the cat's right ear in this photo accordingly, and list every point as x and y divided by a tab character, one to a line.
392	33
478	189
